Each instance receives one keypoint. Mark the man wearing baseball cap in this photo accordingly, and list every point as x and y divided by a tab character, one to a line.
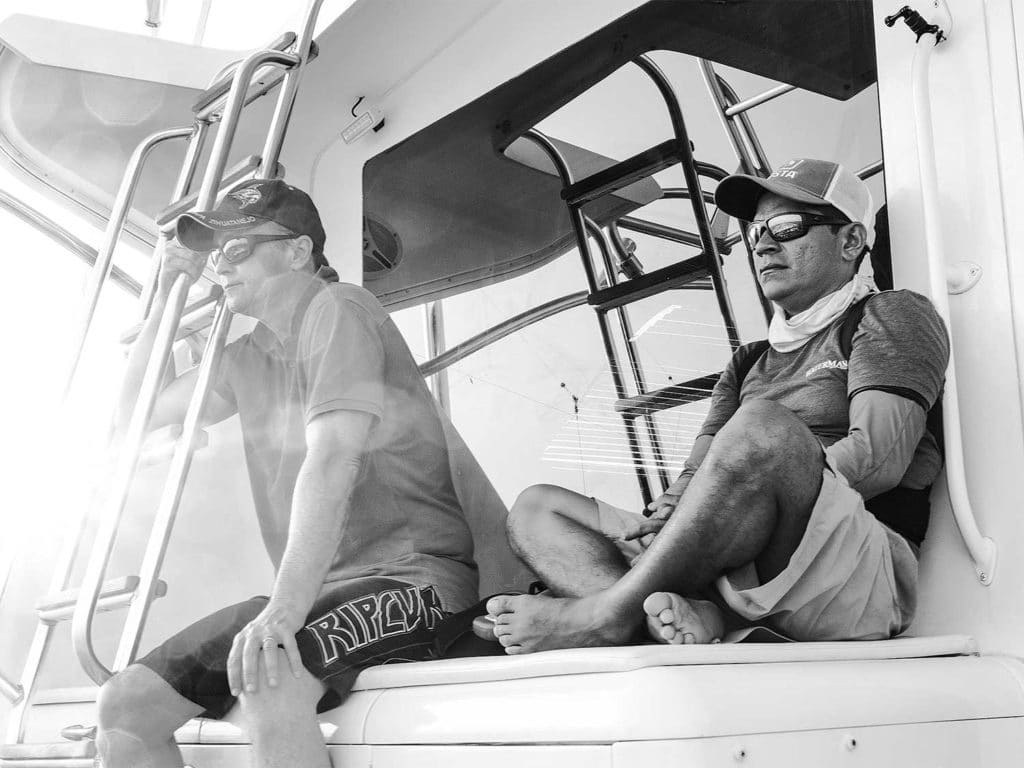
805	497
352	486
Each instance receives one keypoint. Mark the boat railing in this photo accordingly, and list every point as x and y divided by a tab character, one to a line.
138	592
238	97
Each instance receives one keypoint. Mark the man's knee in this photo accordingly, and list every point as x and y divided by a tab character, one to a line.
271	713
761	435
529	511
125	705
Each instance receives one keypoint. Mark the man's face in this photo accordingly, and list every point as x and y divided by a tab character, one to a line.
248	285
796	273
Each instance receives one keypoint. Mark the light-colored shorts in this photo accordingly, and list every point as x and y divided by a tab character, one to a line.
851	577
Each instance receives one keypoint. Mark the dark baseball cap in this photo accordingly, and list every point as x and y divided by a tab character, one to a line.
248	205
815	182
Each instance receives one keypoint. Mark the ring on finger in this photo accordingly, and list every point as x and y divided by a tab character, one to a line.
269	640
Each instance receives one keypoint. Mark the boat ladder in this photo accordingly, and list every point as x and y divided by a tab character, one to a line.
217	111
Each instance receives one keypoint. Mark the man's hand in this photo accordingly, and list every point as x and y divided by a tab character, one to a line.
262	637
176	260
663	506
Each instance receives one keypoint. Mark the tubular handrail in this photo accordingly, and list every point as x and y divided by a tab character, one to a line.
982	549
696	200
304	49
433	337
499	331
149	391
626	327
113	507
105	255
65	239
62	570
871	169
167	510
220	85
229	122
578	222
81	625
761	98
181	188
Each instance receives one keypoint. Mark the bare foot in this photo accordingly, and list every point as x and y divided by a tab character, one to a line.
529	623
677	620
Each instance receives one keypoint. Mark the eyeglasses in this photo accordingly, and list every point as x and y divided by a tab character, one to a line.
238	249
784	227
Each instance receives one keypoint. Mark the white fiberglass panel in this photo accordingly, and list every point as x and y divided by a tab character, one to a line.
691	702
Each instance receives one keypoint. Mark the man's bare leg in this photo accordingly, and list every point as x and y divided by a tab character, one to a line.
749	502
556	532
282	721
138	715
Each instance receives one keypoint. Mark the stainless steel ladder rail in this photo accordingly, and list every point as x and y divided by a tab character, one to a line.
617	295
181	461
196	143
632	353
583	245
696	196
102	268
733	114
105	255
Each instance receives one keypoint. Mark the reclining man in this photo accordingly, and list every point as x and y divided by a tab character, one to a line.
768	518
350	476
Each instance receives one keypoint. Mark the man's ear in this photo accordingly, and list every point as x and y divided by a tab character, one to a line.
854	239
301	253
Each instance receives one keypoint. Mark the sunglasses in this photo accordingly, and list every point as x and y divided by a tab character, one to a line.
784	227
238	249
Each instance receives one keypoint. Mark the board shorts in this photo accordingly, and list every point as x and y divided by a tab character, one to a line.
850	578
354	625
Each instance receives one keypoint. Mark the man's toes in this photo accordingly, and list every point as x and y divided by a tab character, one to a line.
659	631
506	640
656	603
500	604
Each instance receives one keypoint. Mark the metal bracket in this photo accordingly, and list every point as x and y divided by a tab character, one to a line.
917	23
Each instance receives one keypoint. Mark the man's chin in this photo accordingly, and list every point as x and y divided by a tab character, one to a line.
235	302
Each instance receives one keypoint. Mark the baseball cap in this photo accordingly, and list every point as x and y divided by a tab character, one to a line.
815	182
249	204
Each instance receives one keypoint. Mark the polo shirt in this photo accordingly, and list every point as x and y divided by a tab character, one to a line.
345	353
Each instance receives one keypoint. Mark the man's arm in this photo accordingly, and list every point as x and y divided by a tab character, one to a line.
336	442
173	401
885	430
665	505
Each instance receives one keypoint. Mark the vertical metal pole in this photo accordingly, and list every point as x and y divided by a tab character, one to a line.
433	334
229	122
583	244
181	189
181	462
744	139
167	510
41	638
696	196
113	506
755	164
289	88
105	256
633	354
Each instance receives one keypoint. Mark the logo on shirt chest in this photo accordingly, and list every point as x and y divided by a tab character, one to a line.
827	365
